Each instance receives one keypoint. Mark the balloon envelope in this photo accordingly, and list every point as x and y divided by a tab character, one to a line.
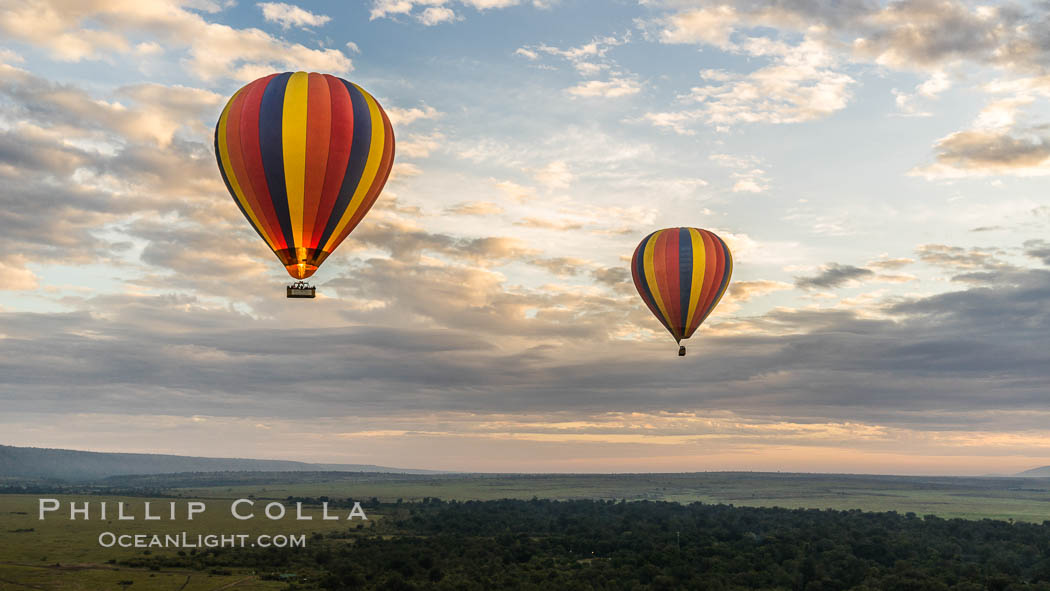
681	274
304	156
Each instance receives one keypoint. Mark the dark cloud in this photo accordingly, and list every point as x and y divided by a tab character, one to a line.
903	33
833	275
992	150
746	290
984	350
955	258
611	276
406	242
72	164
561	266
889	263
479	208
561	225
1039	249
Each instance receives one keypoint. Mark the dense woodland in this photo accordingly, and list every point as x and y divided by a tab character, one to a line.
549	545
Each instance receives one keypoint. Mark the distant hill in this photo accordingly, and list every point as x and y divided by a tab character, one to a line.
1043	471
67	464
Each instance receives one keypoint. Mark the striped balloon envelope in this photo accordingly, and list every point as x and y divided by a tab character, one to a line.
681	274
304	157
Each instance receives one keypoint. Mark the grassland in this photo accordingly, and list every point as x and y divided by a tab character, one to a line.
1021	499
63	554
59	553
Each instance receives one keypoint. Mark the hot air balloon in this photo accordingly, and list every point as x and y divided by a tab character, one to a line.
304	157
681	274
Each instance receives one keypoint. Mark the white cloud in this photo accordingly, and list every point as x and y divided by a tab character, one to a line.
14	276
907	35
679	121
515	191
478	208
555	175
437	11
612	88
213	50
419	146
800	85
711	25
436	15
588	59
996	144
401	116
931	88
527	53
289	15
10	57
752	181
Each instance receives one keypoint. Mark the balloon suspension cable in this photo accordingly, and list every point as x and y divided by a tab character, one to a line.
301	289
681	350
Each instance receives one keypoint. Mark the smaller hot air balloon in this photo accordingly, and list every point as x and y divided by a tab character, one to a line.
681	274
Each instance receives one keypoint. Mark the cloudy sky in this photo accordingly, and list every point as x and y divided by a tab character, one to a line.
880	171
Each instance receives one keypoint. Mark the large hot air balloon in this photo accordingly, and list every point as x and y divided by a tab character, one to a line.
304	157
681	274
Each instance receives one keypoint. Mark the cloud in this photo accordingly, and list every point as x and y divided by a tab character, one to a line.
401	116
992	152
477	346
833	275
73	164
805	79
910	34
752	181
527	53
478	208
213	50
435	15
562	266
996	144
1039	249
931	88
14	276
288	15
419	145
407	242
437	11
555	175
515	191
597	47
612	276
743	291
708	25
884	262
801	84
800	87
613	88
590	60
956	258
680	122
547	224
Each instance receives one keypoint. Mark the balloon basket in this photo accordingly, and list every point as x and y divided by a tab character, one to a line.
681	349
301	289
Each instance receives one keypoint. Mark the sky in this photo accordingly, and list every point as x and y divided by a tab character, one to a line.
879	171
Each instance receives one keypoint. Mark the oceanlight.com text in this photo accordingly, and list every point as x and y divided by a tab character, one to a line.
187	540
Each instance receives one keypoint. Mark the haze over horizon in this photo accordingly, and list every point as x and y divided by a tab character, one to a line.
878	170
